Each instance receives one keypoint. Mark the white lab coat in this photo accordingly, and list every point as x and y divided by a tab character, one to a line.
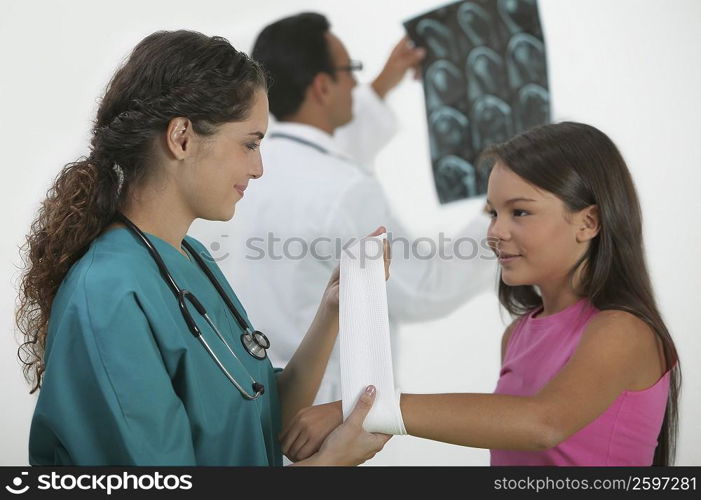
306	195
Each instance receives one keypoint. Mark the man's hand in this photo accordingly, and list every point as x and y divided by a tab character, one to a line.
403	57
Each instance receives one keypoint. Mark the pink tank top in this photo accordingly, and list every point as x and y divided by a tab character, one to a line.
625	434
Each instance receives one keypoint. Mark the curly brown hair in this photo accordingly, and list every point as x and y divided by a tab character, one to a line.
168	75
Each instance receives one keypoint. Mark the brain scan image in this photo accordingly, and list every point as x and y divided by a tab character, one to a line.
485	80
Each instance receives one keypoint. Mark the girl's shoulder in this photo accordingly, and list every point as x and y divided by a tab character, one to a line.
621	326
625	337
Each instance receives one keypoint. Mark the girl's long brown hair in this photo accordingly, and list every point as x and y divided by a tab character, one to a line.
168	75
582	166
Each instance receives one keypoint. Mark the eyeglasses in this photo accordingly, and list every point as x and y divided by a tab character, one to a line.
352	66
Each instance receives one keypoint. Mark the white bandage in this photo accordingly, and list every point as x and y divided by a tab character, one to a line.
366	355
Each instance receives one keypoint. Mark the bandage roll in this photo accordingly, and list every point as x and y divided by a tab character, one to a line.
366	355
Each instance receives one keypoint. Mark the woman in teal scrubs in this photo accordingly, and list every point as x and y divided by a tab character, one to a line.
123	380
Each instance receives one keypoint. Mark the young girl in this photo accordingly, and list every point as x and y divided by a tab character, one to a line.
590	374
133	369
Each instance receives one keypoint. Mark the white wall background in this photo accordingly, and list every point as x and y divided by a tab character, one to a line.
629	67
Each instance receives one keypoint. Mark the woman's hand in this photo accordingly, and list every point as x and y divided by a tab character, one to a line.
349	444
330	298
308	429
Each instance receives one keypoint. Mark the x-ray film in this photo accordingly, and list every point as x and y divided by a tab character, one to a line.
485	80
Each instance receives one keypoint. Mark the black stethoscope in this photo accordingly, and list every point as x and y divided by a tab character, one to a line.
299	140
255	342
309	144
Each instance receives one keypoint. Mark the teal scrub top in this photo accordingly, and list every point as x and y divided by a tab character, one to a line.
126	383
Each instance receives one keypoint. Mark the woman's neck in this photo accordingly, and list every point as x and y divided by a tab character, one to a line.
161	213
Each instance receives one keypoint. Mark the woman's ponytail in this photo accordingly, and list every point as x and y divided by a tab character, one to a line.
81	202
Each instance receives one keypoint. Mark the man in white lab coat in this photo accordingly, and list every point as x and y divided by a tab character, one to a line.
318	192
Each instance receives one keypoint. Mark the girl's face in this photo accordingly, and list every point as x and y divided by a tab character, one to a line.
222	164
537	239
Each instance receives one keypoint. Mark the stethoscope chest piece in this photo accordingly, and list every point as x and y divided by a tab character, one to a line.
255	343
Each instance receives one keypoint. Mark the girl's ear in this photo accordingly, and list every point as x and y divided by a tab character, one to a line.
589	223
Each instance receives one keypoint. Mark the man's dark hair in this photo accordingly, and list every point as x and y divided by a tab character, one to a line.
293	51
